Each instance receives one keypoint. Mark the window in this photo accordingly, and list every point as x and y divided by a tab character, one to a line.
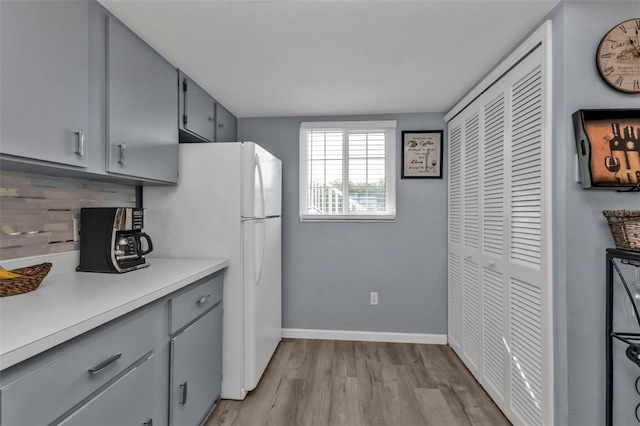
347	170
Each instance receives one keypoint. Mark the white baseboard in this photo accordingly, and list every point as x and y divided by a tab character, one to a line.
364	336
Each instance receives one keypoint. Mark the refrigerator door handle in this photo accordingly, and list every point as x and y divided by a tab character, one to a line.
262	196
260	249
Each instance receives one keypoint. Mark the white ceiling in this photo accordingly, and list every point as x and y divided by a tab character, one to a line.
270	58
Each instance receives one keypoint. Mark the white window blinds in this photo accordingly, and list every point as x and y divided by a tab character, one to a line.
347	170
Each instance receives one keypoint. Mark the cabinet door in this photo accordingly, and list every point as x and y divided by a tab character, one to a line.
198	110
44	49
142	108
226	125
128	401
196	369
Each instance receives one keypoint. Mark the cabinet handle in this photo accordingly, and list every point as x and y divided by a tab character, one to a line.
183	387
203	299
80	150
104	364
148	423
221	125
123	154
212	119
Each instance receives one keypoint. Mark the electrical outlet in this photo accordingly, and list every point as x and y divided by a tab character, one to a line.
373	298
76	229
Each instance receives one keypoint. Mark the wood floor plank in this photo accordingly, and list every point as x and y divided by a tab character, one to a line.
345	404
259	401
416	373
477	404
480	411
299	360
315	397
436	410
388	353
285	406
370	390
226	412
339	383
344	362
401	396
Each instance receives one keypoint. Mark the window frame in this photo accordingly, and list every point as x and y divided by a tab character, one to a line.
389	128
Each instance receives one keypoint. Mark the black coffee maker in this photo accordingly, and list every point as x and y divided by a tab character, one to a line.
111	239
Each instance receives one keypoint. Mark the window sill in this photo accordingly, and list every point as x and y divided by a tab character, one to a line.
348	218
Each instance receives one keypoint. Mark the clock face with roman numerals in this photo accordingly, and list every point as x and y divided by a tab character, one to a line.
618	56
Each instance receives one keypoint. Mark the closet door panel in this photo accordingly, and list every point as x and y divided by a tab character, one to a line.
455	300
455	186
471	325
455	238
526	352
526	170
494	345
493	182
525	241
471	201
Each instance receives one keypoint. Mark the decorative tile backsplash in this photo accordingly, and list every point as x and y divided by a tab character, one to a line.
37	211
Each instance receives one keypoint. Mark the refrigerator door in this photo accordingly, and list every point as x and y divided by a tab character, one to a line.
262	182
263	295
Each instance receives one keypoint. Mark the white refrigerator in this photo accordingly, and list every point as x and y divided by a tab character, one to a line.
227	204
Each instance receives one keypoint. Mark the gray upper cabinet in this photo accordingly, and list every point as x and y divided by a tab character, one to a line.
226	125
197	112
44	52
142	108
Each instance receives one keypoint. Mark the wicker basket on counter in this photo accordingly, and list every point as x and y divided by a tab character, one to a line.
625	228
29	279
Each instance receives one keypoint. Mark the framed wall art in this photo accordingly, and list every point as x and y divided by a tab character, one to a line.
422	154
608	145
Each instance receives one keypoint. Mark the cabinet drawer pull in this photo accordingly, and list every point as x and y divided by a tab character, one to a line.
183	388
221	125
203	299
212	119
80	150
123	154
104	364
148	423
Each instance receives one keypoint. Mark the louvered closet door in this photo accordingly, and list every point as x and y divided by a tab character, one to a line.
471	339
497	246
455	237
525	243
495	356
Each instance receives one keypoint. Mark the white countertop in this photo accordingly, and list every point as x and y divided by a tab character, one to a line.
68	305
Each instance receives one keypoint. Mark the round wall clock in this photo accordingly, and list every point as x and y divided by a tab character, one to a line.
618	56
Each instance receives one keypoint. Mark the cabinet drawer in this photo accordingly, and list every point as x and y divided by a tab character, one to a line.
129	401
195	301
46	393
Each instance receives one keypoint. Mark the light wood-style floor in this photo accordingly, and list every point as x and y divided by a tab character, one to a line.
324	382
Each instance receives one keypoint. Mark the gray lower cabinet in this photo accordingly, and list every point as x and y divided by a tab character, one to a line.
44	57
128	401
226	125
142	108
197	112
196	369
128	371
42	390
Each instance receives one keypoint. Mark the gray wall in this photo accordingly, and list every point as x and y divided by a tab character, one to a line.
586	232
329	269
